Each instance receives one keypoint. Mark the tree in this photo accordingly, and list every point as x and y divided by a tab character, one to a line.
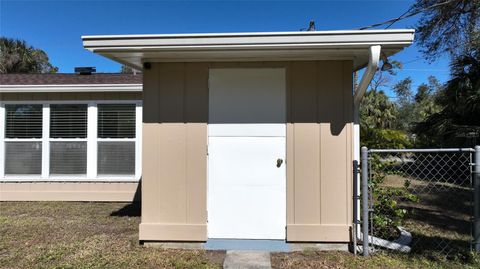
415	108
376	110
403	91
446	25
458	120
377	116
382	79
16	56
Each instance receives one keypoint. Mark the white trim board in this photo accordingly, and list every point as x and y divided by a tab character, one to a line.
71	88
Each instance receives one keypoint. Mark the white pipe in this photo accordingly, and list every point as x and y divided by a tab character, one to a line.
401	244
374	58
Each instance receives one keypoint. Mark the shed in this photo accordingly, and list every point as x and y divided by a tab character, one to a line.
250	135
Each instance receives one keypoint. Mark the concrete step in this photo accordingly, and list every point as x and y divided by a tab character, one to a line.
240	259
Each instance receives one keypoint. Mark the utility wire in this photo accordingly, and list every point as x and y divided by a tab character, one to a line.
405	15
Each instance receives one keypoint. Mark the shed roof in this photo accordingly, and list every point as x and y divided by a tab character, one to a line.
353	45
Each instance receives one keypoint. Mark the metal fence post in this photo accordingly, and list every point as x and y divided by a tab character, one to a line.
476	203
364	163
355	206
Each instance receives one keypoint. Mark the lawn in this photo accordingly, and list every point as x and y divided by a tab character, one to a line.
84	235
105	235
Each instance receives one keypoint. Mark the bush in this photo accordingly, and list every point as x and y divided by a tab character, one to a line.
388	214
384	138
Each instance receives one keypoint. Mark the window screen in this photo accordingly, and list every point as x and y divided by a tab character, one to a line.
68	158
116	158
23	121
23	158
116	121
68	121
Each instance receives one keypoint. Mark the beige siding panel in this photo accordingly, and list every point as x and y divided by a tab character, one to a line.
307	173
172	173
69	191
321	118
196	116
150	182
172	232
319	233
174	152
306	142
333	166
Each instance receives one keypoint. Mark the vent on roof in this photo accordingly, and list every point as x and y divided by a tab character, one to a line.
85	70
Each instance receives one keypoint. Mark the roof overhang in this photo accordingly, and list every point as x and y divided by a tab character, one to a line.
133	50
71	88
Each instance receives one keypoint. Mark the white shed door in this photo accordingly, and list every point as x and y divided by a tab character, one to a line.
246	188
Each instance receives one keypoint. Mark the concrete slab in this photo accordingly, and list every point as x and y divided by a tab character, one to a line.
250	245
247	260
247	244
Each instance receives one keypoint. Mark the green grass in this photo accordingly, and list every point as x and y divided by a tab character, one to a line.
105	235
83	235
323	259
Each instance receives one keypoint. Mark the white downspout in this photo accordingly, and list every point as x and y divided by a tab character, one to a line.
373	60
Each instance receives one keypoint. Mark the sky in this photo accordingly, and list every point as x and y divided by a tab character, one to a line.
57	26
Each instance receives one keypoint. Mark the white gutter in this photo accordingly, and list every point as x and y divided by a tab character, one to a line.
373	60
71	88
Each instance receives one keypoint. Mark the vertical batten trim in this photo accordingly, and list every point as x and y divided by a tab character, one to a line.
2	139
319	127
92	140
45	141
138	140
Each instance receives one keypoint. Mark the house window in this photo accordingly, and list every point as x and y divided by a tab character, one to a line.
70	141
116	139
23	139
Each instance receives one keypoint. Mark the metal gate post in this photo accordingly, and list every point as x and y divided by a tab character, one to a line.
364	163
476	203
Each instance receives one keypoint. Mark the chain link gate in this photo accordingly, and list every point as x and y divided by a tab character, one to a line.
419	201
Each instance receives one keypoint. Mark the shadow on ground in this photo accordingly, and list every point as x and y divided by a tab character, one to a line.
130	210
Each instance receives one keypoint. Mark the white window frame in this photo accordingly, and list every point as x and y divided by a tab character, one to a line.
4	140
92	140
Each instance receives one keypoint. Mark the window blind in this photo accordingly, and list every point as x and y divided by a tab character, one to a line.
116	121
23	158
23	121
68	121
116	158
68	158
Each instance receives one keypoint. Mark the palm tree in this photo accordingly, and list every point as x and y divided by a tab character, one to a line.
16	56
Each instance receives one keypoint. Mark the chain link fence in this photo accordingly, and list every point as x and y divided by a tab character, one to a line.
420	201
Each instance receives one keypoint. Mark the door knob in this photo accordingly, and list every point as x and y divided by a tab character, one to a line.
279	162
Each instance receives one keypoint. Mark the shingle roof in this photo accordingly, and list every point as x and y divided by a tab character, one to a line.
69	79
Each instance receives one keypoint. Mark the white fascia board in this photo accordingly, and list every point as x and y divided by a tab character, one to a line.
399	38
134	49
71	88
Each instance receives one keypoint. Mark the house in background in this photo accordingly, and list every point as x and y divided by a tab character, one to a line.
70	137
243	135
